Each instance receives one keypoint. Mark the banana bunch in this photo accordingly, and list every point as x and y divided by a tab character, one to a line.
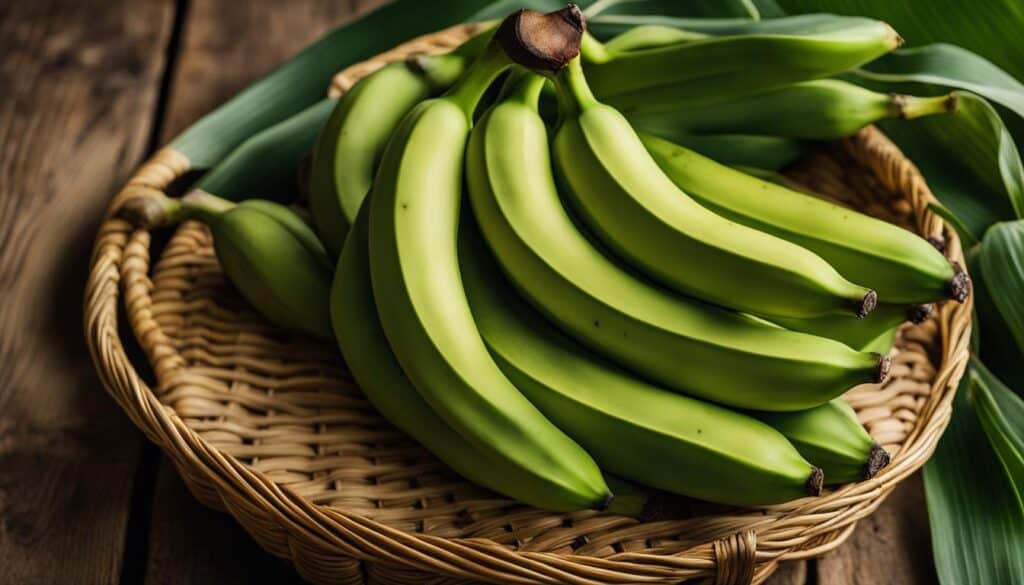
565	306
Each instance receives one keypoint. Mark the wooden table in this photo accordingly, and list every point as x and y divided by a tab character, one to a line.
87	91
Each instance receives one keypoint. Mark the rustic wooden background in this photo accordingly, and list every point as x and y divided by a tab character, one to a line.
87	91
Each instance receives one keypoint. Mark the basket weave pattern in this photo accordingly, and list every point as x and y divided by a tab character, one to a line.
271	428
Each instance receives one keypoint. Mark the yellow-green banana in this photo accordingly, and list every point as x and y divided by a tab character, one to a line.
721	65
900	266
825	109
272	257
414	216
642	216
831	437
684	344
351	142
373	365
633	429
858	333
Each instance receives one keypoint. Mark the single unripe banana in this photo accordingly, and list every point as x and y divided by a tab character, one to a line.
721	65
899	265
831	437
633	429
826	109
350	144
414	216
272	257
858	333
683	344
744	150
641	215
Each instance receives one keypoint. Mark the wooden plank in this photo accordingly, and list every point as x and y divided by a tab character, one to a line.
225	46
791	573
193	544
890	546
79	87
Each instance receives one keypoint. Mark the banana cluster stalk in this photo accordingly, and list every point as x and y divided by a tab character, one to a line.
581	315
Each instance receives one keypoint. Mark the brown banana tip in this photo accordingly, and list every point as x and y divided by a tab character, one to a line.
545	42
145	211
917	314
938	242
952	102
866	304
815	482
895	40
899	103
960	285
877	459
605	502
884	365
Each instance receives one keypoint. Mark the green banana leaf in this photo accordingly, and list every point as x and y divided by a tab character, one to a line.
670	8
1001	258
605	25
1001	413
991	28
950	66
977	527
968	158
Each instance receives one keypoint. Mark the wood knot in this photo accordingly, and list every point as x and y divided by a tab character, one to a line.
734	558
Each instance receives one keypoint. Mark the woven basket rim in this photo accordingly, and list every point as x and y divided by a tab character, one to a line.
312	533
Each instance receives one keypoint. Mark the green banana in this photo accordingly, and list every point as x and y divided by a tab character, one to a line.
825	109
683	344
900	266
351	142
688	446
857	333
720	65
645	36
272	257
265	164
830	436
641	215
765	152
414	218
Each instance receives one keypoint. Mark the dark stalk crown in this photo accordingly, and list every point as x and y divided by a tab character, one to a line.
542	42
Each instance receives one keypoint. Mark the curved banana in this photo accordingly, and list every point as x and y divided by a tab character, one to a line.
721	65
369	358
825	109
272	257
831	437
683	344
351	142
633	429
635	210
858	333
414	216
900	266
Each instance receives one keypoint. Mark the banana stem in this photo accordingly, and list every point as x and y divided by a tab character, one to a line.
525	87
574	94
469	90
594	51
198	204
910	107
152	211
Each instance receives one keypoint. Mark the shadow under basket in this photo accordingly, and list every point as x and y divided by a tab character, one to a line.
271	428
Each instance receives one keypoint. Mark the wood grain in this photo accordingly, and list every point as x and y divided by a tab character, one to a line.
890	546
79	89
225	46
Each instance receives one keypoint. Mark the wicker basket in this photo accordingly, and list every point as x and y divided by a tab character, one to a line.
271	428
